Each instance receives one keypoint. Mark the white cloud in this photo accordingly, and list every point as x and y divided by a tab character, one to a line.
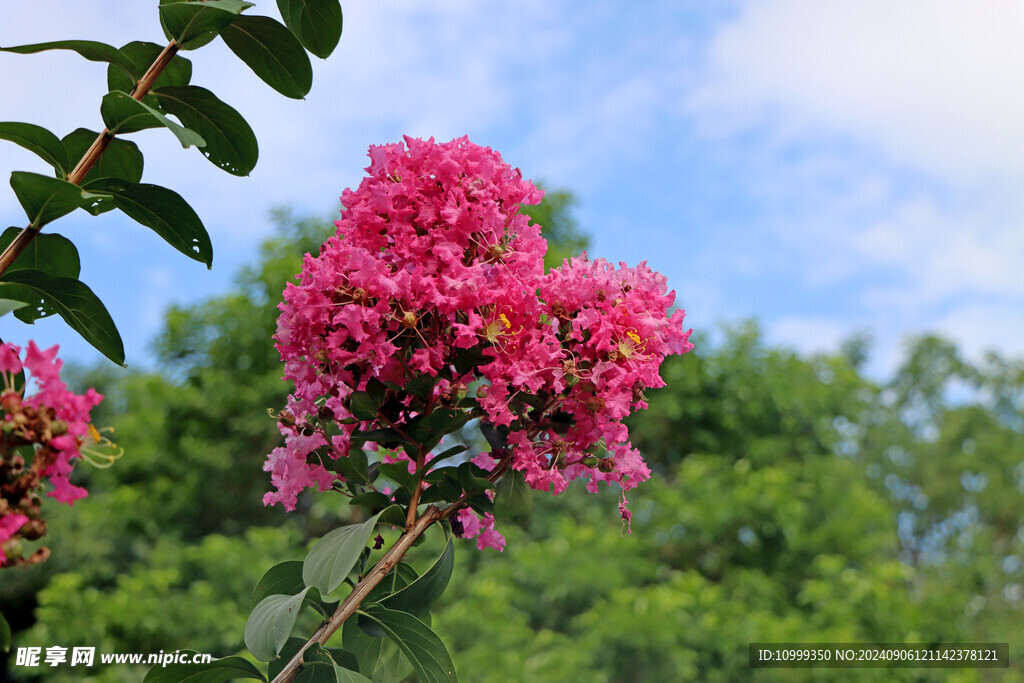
930	82
884	143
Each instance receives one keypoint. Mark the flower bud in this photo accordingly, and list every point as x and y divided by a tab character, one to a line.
590	460
33	529
481	391
10	401
606	464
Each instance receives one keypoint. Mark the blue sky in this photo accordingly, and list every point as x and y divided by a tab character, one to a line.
828	168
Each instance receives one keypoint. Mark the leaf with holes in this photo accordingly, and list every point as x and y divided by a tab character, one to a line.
73	301
46	199
216	671
40	142
164	212
193	24
270	624
121	159
122	114
333	556
316	23
230	143
272	52
90	49
50	253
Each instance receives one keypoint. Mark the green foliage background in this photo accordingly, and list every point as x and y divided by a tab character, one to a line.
793	500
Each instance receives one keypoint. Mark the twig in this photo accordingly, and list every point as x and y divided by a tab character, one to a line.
92	155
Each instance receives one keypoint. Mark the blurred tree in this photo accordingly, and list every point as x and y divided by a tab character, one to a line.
794	500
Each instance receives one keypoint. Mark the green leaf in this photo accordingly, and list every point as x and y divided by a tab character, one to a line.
90	49
378	658
330	665
164	212
40	142
73	301
423	648
177	72
512	500
272	52
270	624
444	455
418	596
122	114
398	472
230	143
193	24
217	671
363	406
333	556
5	634
316	23
281	579
121	159
7	305
371	500
44	198
50	253
388	438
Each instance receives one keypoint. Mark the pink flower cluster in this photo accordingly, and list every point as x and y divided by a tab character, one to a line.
53	421
433	261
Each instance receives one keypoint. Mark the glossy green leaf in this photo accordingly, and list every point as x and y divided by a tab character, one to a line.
73	301
163	211
177	72
122	114
121	159
333	556
5	634
40	142
281	579
272	52
49	252
422	647
192	23
230	143
512	500
44	198
270	624
217	671
90	49
316	23
418	596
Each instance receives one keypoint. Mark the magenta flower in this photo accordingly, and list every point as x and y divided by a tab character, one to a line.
434	264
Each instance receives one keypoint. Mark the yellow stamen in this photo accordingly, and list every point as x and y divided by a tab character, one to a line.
504	321
634	336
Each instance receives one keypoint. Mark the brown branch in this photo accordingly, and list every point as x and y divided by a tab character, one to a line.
92	155
351	603
392	557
